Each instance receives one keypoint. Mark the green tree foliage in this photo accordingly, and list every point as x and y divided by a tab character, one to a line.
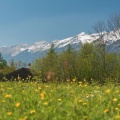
118	67
49	62
89	63
12	65
3	62
85	63
68	64
3	66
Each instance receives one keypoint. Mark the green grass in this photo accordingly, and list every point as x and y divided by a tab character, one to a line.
33	101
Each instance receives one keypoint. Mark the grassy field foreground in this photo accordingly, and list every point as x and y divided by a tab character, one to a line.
37	101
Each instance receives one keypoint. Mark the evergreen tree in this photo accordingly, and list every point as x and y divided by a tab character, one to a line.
3	62
67	61
49	63
12	65
85	63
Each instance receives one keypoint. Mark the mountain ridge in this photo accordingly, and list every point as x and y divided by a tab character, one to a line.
28	53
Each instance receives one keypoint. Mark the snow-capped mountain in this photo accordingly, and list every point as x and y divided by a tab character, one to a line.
28	53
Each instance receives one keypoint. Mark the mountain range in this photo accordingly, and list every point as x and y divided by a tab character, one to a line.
27	53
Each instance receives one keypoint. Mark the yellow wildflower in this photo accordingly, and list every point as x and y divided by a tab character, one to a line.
117	91
51	90
23	91
9	113
8	96
80	101
106	111
84	103
17	104
107	91
116	109
119	104
36	90
47	86
3	101
10	88
23	119
117	117
74	79
42	96
85	85
59	99
97	87
80	82
32	111
85	117
46	103
115	100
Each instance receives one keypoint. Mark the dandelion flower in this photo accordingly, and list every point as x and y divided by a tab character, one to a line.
47	86
10	88
80	101
36	90
17	104
107	91
23	91
97	87
74	79
80	82
3	101
45	103
115	100
117	91
106	111
9	113
85	117
116	109
42	96
32	111
117	117
39	88
84	103
119	104
8	96
59	99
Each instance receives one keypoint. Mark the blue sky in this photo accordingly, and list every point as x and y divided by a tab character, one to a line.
29	21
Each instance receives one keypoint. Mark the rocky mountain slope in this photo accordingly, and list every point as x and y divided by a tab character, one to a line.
28	53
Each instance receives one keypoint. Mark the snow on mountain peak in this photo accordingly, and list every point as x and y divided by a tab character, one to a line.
83	37
41	46
38	46
82	33
62	43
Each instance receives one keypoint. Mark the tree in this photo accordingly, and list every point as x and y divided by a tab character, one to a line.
113	32
114	25
3	62
85	66
12	65
68	64
101	43
3	66
49	63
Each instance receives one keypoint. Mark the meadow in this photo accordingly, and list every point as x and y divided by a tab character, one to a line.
64	101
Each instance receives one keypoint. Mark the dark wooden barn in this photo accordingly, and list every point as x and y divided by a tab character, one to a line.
22	74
